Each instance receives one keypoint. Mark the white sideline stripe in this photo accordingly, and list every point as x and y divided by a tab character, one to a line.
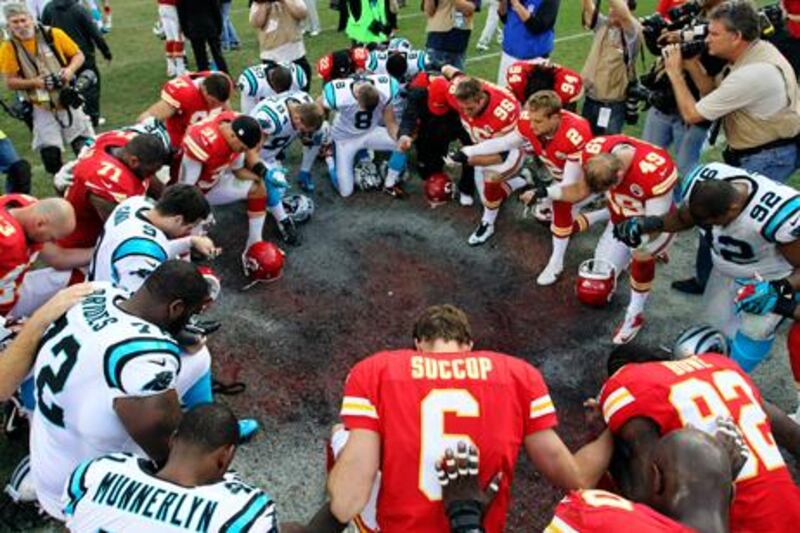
557	40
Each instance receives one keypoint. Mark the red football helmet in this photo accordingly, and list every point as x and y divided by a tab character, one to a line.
438	189
596	282
263	261
213	280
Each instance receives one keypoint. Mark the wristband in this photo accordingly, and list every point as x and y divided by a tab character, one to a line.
465	516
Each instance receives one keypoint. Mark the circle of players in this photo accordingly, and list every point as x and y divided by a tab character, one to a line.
141	196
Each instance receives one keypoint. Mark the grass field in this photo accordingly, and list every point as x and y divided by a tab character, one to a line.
133	80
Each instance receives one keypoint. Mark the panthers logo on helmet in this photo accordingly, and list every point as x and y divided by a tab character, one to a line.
697	340
299	207
367	176
399	44
596	282
263	262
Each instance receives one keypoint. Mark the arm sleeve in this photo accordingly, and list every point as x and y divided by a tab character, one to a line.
190	170
496	145
544	18
360	403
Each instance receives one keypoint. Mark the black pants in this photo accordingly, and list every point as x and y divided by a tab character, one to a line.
433	143
91	95
201	54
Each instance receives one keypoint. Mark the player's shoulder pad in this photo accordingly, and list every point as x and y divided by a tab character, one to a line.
257	507
299	76
151	343
329	95
248	83
139	246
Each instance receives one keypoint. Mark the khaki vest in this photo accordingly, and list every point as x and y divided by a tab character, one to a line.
605	73
43	63
281	28
443	17
744	130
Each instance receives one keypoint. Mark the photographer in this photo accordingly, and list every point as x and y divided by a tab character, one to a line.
448	29
663	125
41	62
280	34
610	65
755	97
72	17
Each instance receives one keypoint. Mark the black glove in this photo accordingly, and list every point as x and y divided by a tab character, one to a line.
456	157
631	230
195	330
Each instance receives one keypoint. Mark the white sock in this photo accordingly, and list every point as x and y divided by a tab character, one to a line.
636	304
278	212
516	183
559	251
255	229
391	178
489	215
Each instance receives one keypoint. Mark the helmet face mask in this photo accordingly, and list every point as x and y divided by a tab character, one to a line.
596	283
700	339
367	177
299	207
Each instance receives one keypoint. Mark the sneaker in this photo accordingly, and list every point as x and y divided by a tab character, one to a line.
482	47
549	275
248	428
688	286
396	192
314	33
288	232
628	329
466	200
481	234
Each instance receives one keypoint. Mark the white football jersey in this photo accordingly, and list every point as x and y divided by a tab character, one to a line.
350	119
416	61
254	87
130	247
273	116
120	493
94	353
749	244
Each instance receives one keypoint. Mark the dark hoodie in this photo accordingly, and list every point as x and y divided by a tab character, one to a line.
76	21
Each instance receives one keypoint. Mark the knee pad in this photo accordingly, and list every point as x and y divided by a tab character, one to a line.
78	143
19	177
51	158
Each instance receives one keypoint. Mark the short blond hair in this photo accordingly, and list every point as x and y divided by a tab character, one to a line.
547	101
601	172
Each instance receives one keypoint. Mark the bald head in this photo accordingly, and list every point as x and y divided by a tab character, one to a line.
692	474
602	172
47	220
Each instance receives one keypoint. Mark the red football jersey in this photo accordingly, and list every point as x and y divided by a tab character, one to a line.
422	403
16	253
103	175
651	174
358	56
183	93
568	140
498	118
696	391
598	511
567	83
205	143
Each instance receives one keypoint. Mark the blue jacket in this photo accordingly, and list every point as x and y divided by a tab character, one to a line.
537	37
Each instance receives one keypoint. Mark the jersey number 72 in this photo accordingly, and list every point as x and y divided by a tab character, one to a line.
62	359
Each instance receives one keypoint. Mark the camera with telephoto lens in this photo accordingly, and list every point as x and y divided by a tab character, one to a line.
72	96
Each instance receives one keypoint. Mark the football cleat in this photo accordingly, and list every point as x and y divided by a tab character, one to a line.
629	328
482	234
248	428
306	182
396	192
549	275
287	230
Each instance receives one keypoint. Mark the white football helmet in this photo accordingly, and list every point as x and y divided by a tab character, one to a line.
152	126
366	175
399	44
700	339
299	207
